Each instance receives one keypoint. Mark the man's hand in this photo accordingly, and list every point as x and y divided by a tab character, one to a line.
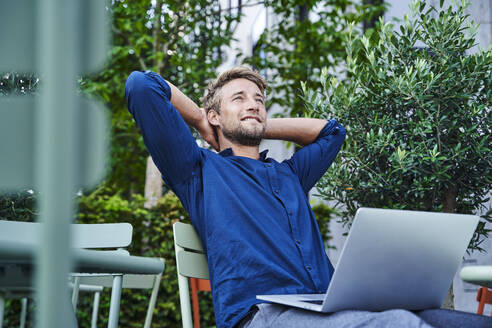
206	131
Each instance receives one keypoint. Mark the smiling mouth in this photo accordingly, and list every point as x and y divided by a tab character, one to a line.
251	118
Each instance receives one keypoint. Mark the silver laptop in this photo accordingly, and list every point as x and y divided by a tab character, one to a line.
393	259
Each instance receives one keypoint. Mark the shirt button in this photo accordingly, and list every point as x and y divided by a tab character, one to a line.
309	267
276	191
268	165
298	242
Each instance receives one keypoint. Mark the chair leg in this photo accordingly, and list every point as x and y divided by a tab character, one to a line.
481	299
153	300
75	293
2	308
194	301
95	309
184	300
23	313
114	308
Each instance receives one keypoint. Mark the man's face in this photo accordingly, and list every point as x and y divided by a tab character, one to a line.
242	117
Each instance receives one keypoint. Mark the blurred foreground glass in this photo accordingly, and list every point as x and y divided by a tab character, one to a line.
55	141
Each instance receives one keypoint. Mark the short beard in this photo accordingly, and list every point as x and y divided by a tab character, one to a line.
240	135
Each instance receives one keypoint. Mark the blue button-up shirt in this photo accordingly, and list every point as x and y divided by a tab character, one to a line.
253	216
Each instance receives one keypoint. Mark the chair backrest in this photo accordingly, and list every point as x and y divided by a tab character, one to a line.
190	263
190	256
106	235
17	281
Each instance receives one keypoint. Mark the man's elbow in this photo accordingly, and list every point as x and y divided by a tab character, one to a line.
134	83
146	85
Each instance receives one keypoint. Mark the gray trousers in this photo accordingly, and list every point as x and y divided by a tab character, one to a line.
274	315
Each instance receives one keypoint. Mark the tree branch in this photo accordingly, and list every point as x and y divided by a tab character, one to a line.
123	35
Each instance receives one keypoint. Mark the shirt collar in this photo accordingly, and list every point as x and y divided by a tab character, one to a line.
263	155
228	152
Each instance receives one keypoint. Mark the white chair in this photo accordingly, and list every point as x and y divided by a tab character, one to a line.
130	281
190	263
16	278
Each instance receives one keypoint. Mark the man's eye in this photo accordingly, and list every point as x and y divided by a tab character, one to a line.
260	100
237	98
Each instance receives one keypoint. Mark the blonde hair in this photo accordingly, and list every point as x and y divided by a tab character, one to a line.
213	97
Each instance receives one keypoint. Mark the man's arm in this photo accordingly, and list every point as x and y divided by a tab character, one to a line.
302	131
324	138
193	115
164	131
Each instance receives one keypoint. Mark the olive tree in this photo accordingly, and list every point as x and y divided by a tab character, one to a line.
417	109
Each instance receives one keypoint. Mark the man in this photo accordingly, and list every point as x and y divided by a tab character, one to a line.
251	212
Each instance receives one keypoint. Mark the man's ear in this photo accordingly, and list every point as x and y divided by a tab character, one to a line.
213	118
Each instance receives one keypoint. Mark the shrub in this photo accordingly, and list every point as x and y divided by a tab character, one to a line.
417	119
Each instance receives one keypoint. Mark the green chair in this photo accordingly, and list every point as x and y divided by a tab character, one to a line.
130	281
190	263
16	279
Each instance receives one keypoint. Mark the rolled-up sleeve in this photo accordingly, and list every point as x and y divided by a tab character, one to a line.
165	134
312	161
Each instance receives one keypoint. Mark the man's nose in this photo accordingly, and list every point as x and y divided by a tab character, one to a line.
252	105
